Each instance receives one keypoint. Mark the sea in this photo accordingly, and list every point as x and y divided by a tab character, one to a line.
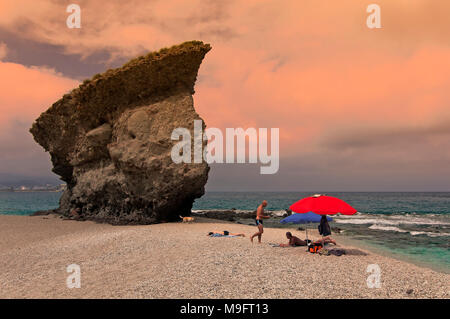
411	226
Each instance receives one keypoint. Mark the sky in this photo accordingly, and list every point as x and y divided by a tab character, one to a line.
358	109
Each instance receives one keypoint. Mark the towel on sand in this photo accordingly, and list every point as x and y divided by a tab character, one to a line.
221	235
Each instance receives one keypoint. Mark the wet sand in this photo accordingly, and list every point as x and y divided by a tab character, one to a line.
176	260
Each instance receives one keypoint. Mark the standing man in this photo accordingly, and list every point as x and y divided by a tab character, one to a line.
259	221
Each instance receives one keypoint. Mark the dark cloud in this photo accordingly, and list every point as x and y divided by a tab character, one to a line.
31	53
373	137
21	158
321	173
401	159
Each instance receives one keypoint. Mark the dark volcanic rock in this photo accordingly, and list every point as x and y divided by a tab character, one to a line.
43	213
228	215
232	214
110	140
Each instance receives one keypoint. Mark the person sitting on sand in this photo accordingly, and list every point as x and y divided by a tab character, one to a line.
224	233
293	241
259	221
325	231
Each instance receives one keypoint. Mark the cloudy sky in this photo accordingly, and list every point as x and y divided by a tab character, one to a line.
358	109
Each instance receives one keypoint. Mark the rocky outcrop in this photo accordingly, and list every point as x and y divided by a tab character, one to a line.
110	140
228	215
233	214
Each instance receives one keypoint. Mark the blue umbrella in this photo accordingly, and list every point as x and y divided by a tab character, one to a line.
305	218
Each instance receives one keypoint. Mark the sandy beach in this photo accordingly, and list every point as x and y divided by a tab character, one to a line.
176	260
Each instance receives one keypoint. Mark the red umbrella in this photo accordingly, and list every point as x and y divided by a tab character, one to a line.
322	205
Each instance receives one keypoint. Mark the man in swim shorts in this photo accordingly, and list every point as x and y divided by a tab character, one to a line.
259	221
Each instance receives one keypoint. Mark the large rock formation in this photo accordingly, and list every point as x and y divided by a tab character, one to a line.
110	140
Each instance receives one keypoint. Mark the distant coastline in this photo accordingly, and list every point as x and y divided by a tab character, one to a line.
37	188
31	191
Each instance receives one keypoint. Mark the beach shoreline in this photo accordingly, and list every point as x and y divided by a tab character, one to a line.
340	231
369	246
177	260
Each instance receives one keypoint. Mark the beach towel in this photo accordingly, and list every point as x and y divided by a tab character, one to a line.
220	235
278	245
337	252
355	252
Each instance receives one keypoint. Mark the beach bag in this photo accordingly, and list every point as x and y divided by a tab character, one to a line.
314	248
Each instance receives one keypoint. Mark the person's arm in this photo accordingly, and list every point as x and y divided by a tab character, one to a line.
237	234
289	244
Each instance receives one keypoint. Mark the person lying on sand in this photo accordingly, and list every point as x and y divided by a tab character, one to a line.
224	233
293	241
325	231
325	240
259	221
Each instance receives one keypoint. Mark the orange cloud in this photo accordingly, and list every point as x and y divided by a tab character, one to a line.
364	89
129	28
25	92
313	69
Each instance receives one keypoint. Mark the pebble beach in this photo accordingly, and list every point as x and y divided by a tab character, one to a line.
179	260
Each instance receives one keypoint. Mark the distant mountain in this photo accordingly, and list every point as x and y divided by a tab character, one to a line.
15	180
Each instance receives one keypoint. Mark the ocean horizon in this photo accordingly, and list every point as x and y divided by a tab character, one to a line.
413	226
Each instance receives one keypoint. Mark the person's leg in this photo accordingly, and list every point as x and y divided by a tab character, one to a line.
240	234
328	239
325	240
261	231
257	233
319	241
254	235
